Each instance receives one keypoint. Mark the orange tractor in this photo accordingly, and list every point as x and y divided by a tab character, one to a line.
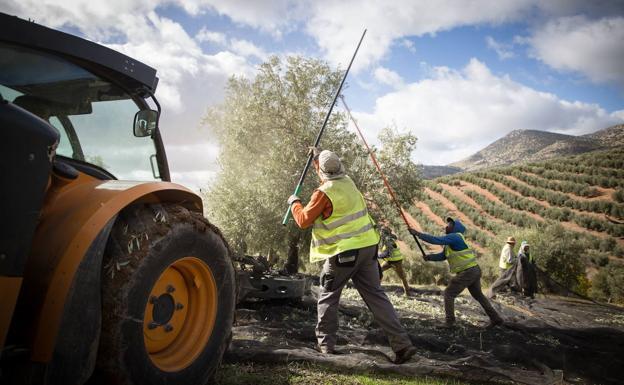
106	267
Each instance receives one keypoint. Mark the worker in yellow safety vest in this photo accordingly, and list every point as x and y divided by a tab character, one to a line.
463	264
345	239
391	256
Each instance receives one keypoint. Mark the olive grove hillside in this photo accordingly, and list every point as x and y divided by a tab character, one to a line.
570	209
264	127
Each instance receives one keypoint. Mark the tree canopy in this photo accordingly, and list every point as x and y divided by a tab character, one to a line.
264	127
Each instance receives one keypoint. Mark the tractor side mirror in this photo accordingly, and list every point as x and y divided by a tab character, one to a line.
145	122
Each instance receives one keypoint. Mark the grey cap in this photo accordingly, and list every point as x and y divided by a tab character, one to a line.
329	162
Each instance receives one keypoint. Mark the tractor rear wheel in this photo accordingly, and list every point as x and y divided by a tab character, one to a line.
168	292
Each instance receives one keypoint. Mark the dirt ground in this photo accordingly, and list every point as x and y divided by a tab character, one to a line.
547	340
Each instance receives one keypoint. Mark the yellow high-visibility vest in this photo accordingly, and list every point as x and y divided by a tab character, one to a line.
395	254
460	260
349	226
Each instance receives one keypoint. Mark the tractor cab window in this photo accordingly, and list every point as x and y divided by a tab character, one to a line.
94	116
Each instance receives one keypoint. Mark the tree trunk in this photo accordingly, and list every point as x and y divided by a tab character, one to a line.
273	257
292	263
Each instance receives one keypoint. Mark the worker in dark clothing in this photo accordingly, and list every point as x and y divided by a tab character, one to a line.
526	274
463	263
344	238
391	256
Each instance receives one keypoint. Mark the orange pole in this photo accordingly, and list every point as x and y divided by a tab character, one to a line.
383	176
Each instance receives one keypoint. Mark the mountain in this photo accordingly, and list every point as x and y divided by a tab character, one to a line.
609	137
521	146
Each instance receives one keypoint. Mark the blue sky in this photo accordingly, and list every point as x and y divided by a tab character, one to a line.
457	74
452	48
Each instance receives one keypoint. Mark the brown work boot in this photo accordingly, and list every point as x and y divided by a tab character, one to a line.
404	354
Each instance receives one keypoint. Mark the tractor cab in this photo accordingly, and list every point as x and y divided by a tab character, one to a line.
105	131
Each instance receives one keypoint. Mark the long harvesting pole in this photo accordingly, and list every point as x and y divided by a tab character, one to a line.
318	137
383	176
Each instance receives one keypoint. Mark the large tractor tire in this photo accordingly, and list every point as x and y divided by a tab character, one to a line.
168	293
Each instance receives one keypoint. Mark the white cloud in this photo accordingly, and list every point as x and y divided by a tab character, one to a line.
99	20
190	81
247	49
594	48
272	16
504	51
407	43
388	77
456	113
337	25
205	35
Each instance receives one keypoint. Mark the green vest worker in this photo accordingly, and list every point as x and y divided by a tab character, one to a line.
345	239
392	257
462	262
392	254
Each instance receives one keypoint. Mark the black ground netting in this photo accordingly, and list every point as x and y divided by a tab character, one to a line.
544	341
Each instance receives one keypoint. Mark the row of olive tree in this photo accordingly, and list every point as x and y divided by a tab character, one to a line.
580	189
590	175
472	233
568	169
475	214
553	214
613	158
591	222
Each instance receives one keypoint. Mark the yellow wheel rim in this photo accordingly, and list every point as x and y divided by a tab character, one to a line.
180	314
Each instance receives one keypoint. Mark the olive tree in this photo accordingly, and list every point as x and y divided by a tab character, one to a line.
264	127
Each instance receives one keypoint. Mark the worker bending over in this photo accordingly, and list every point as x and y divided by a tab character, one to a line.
463	263
392	257
345	239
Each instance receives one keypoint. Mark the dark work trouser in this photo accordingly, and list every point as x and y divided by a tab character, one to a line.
507	279
471	279
397	266
365	276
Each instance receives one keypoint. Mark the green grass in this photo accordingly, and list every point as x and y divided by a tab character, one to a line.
309	374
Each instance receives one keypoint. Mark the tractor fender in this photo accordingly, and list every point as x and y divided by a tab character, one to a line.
75	353
70	239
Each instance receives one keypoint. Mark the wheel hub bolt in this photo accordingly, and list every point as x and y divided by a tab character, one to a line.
170	289
152	325
168	328
179	306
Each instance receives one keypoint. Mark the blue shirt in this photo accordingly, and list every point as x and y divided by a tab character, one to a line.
453	240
